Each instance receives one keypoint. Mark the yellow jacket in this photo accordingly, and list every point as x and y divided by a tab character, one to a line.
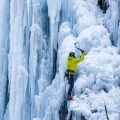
72	63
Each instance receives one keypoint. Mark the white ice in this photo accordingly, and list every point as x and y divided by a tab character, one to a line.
31	31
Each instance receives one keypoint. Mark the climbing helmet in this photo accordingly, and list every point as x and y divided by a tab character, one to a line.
72	54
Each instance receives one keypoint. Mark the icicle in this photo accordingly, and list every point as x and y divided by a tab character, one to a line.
18	74
114	20
53	13
118	43
35	53
4	43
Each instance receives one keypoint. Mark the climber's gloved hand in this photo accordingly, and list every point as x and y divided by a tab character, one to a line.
82	51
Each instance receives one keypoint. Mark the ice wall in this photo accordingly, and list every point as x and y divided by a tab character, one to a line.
28	37
113	17
4	42
28	58
18	67
54	8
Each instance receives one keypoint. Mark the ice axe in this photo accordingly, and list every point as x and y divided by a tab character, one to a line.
77	47
106	112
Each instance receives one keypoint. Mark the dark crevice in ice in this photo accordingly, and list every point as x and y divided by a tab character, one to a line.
103	5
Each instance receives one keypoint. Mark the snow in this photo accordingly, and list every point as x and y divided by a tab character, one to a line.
65	30
99	75
81	107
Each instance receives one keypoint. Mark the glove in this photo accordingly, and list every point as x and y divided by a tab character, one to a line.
82	51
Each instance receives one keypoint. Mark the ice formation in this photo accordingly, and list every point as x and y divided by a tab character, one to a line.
36	37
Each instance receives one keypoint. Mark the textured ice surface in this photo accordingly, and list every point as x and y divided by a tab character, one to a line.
4	43
33	33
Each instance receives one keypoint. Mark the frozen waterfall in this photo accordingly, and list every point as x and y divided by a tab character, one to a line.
36	37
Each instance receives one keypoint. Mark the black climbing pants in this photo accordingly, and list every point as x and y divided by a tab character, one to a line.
71	82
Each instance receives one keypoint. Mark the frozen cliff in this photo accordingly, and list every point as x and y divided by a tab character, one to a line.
36	37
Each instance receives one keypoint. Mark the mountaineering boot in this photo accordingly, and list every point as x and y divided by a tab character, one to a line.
69	97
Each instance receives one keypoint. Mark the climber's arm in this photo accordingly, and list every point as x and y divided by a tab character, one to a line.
80	58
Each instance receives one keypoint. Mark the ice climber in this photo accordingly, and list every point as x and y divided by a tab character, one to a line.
71	69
